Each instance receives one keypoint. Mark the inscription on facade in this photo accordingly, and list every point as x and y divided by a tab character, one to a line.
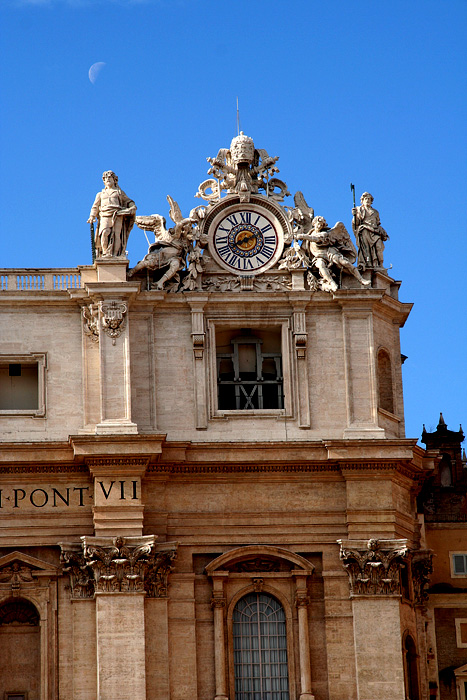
73	496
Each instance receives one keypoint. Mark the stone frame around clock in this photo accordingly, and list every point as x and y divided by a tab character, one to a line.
261	205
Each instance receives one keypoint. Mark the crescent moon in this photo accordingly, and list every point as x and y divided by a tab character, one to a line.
95	70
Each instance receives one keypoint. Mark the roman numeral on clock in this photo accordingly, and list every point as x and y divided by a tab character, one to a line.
245	217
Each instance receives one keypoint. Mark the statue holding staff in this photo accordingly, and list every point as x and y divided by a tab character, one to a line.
115	213
369	234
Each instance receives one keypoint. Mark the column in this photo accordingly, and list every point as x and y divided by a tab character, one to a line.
374	567
301	601
109	325
218	605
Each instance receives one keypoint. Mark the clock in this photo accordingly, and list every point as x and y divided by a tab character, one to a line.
246	238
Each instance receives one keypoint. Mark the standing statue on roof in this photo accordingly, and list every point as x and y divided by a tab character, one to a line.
369	234
115	214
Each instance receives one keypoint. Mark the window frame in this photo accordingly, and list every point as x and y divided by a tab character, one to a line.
39	359
451	562
256	324
458	622
270	590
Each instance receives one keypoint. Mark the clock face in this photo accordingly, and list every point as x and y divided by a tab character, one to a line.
246	239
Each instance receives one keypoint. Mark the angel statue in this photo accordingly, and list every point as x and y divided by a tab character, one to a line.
171	246
301	216
326	247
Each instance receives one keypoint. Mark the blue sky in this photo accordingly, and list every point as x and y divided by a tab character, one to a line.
367	92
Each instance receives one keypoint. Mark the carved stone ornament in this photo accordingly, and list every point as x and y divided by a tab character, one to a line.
263	283
302	600
422	568
116	565
15	574
217	602
81	575
246	176
91	321
113	318
374	566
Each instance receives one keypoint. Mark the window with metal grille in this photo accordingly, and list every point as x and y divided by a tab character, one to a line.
249	369
260	649
460	564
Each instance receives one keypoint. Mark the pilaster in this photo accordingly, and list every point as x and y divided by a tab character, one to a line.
106	321
374	568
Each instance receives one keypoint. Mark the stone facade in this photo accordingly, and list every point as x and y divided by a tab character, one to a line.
141	505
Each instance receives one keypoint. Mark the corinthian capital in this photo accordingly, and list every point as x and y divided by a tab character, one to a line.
374	566
119	565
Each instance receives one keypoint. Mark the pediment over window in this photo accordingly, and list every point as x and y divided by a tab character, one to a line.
259	558
18	567
461	671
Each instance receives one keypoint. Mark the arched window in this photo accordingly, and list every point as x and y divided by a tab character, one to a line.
260	649
385	392
20	649
445	471
411	669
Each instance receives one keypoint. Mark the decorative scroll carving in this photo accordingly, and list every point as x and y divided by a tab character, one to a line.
302	600
217	602
113	318
105	565
91	321
422	568
374	566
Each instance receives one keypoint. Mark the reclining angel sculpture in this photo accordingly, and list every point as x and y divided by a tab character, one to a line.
327	247
171	246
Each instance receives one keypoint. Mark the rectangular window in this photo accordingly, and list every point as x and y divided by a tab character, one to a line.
249	369
15	696
461	633
458	564
22	385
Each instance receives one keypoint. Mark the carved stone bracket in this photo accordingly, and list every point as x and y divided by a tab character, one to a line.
113	318
91	321
300	334
116	565
422	568
374	566
258	584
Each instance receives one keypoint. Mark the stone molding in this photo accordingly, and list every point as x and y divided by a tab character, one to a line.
373	565
118	565
331	466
